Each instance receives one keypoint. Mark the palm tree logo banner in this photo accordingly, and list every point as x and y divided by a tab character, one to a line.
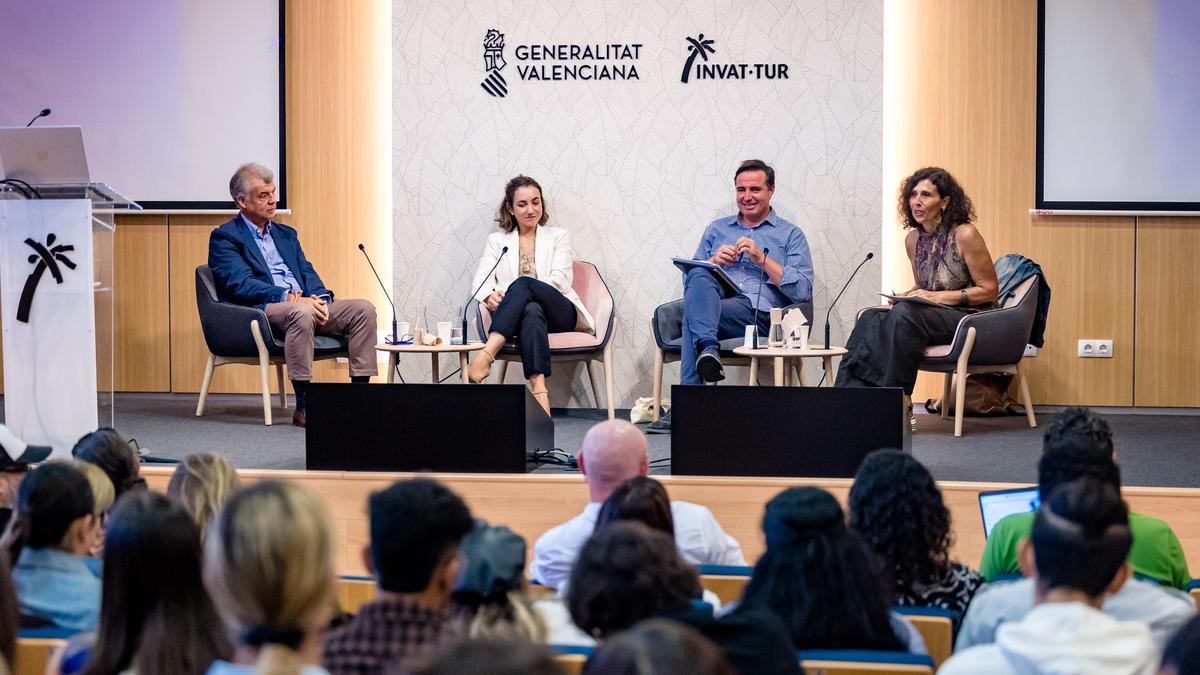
493	63
45	257
697	46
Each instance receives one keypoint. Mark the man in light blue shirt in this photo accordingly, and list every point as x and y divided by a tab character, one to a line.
759	250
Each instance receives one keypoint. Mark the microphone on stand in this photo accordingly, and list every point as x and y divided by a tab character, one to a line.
839	295
45	113
466	306
759	295
395	338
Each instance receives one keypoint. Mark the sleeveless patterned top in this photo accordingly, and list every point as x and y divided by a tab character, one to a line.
940	267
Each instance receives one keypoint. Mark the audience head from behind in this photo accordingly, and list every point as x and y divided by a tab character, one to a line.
1077	554
898	510
53	530
416	527
103	497
1182	654
819	577
9	614
613	451
15	457
641	499
1078	443
491	590
658	647
155	616
202	483
1080	543
268	564
627	572
108	449
488	656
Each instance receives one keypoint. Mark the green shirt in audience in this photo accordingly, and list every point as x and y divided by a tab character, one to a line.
1156	551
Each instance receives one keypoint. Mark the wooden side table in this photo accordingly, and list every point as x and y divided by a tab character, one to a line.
434	351
782	354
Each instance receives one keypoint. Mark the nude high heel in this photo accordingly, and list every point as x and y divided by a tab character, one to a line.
543	397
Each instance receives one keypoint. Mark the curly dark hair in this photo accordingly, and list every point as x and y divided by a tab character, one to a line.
1077	443
819	577
960	209
898	510
627	572
641	499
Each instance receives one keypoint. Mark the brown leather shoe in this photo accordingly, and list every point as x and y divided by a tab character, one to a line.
300	418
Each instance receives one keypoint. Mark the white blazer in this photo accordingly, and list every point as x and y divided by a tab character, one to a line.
553	257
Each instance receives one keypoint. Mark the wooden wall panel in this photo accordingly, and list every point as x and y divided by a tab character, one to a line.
961	86
1168	312
142	334
737	504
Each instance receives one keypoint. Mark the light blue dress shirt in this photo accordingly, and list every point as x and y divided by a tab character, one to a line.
281	274
788	247
57	586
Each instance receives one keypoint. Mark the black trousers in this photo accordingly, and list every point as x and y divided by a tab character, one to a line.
529	312
886	346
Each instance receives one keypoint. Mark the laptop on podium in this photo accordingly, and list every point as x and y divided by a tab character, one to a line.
44	155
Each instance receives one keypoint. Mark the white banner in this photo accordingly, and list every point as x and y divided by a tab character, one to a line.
633	115
46	294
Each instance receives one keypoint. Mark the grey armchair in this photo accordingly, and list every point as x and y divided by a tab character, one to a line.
238	334
992	341
667	327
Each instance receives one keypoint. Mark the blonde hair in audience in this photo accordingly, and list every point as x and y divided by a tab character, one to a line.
202	483
268	563
103	491
514	619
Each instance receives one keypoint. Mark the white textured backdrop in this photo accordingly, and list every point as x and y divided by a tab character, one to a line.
636	168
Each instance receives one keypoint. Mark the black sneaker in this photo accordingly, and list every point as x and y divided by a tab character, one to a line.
662	426
708	364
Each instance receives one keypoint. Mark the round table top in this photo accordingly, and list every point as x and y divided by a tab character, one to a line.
807	350
429	349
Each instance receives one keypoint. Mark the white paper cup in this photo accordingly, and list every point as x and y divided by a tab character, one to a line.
443	331
403	328
799	339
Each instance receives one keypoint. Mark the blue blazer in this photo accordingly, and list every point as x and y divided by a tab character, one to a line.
241	273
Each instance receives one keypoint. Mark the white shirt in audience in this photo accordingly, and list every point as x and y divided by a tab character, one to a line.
1061	638
1163	609
699	537
226	668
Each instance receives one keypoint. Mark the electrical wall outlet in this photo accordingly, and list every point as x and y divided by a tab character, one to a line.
1095	349
1030	350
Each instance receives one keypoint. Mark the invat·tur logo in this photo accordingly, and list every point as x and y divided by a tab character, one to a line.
45	257
697	46
493	63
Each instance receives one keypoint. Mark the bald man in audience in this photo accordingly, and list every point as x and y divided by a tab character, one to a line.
613	452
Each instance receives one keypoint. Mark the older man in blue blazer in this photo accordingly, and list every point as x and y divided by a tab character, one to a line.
259	263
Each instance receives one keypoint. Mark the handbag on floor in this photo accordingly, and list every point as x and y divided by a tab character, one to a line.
643	409
986	396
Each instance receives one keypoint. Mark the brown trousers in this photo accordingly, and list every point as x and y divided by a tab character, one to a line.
354	319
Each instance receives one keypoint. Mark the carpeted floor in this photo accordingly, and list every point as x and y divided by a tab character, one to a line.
1154	450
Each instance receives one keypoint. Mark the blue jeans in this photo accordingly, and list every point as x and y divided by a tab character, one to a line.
710	316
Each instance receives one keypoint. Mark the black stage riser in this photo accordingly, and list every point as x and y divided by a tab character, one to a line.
781	431
424	427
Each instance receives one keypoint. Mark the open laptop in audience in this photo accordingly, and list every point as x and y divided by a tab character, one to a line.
996	505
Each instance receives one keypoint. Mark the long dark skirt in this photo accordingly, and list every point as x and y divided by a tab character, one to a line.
886	346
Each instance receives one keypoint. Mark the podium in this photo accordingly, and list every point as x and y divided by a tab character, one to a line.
56	301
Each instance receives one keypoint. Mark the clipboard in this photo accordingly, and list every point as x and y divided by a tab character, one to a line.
729	285
911	298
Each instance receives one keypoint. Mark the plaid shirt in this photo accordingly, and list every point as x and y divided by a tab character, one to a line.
385	633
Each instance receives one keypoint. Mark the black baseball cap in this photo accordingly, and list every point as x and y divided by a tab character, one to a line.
14	451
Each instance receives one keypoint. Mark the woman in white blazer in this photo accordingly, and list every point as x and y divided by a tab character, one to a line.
529	293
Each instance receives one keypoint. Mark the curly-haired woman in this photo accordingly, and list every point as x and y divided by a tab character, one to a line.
898	510
952	270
